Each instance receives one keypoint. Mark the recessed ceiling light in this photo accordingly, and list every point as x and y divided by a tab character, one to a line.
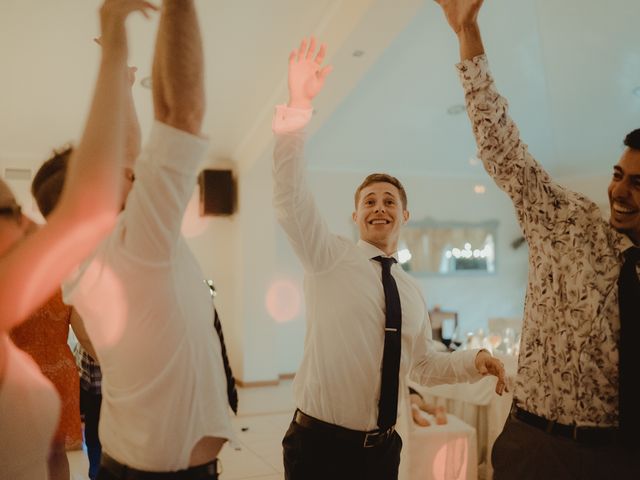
358	53
479	189
456	109
636	91
146	82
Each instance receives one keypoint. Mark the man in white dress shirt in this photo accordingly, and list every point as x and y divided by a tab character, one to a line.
142	295
340	430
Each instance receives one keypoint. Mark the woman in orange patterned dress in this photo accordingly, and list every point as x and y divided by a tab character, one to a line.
44	336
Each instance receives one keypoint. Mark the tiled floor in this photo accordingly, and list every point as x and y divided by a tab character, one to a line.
263	416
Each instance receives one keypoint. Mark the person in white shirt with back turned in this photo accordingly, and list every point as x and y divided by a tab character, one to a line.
142	295
33	263
367	322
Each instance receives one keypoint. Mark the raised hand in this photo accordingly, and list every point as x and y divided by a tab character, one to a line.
461	13
306	73
113	13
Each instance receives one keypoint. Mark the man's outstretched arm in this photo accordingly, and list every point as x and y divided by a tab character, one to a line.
294	205
166	170
505	156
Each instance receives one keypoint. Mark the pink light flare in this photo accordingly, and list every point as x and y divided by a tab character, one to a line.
283	300
112	301
451	460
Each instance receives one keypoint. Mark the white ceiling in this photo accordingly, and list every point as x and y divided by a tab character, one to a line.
568	68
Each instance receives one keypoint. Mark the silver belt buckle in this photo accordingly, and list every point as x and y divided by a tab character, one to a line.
376	435
366	443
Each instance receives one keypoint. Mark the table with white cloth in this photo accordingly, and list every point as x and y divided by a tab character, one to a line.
478	405
443	452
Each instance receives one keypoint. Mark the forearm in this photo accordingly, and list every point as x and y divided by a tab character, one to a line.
95	168
288	157
437	368
178	72
470	41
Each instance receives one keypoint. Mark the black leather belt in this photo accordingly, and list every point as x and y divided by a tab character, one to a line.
585	435
355	437
208	471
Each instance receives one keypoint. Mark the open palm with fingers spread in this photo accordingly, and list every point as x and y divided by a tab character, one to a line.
306	73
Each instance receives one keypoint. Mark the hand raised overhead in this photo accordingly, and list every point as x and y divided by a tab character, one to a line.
113	13
306	73
460	13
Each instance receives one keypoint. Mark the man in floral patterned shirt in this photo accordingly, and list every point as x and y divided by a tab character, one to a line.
565	418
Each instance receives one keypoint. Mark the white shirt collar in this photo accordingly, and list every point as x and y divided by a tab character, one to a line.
373	251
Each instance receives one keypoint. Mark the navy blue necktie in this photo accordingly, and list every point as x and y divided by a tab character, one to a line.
629	302
232	392
388	402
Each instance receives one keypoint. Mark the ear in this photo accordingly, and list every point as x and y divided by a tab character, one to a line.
405	215
354	216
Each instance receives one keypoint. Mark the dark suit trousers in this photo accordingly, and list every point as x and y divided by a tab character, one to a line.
310	454
524	452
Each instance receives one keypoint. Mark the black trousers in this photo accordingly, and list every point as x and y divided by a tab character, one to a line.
90	408
524	452
311	454
111	469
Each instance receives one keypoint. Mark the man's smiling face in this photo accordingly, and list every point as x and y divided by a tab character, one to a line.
379	215
624	195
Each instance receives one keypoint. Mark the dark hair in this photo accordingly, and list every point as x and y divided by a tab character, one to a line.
49	180
632	140
382	178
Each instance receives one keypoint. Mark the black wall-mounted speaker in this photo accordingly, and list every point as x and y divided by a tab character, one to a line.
217	192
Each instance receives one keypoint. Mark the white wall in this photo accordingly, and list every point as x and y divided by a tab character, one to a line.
246	255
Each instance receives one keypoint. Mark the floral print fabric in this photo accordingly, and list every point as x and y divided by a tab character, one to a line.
568	364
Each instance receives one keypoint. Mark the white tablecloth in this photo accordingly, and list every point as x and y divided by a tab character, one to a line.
443	452
478	405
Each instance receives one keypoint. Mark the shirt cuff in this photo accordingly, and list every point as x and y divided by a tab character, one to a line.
287	119
473	72
174	148
470	363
